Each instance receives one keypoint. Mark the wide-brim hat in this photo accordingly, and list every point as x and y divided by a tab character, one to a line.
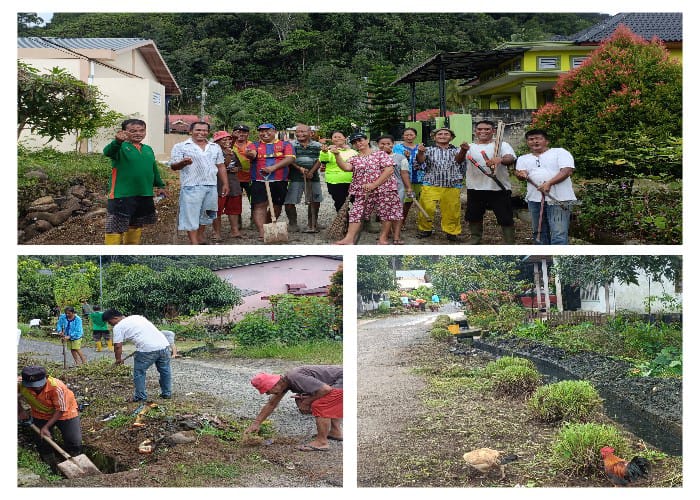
220	135
263	382
434	132
33	376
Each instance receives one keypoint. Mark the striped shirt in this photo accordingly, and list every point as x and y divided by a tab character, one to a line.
203	170
441	169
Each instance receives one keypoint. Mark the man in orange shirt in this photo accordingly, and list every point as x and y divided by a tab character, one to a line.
240	147
52	403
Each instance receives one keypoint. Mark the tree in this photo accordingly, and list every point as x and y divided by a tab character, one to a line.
253	106
383	100
620	113
374	275
300	41
453	275
603	270
34	289
74	283
25	20
175	291
56	104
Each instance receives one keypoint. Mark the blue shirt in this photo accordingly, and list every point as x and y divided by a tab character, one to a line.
415	174
73	328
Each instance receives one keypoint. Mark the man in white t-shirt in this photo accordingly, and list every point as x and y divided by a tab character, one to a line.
485	192
151	348
549	189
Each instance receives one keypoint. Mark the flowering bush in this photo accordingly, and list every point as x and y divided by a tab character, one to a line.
620	112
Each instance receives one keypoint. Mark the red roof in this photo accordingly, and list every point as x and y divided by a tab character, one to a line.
188	118
429	114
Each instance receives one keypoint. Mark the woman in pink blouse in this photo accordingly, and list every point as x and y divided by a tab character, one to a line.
373	186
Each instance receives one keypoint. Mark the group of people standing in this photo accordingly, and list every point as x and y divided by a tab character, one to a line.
382	182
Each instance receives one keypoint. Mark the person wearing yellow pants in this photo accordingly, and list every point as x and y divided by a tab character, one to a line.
445	167
100	330
135	173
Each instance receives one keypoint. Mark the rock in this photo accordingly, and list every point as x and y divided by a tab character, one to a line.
78	191
182	437
37	174
190	424
25	477
44	200
97	212
72	203
43	225
55	218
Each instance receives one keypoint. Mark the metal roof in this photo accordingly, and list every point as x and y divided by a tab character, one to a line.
77	46
667	26
459	65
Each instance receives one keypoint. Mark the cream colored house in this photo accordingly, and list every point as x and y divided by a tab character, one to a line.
130	73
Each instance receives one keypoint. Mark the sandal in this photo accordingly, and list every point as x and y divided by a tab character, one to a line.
398	242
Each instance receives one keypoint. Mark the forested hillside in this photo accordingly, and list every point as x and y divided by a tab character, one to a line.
314	64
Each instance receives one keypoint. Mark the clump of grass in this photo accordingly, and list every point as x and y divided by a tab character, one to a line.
568	400
442	321
120	421
577	446
440	334
322	352
504	362
516	381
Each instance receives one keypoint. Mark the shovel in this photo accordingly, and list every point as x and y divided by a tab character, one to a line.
274	232
65	364
77	466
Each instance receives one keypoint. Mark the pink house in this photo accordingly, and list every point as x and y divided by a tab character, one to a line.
299	275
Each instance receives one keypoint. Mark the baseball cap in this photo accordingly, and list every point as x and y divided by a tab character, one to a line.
242	127
263	382
266	125
220	134
33	376
356	136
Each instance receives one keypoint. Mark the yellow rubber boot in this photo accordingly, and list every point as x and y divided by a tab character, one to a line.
113	239
132	236
110	346
98	346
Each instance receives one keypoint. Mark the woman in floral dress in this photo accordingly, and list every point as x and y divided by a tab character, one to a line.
374	187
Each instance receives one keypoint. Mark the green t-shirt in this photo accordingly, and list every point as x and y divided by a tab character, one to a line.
305	157
97	323
334	174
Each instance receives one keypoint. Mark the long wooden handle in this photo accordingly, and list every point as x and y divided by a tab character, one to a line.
269	200
51	442
422	210
499	138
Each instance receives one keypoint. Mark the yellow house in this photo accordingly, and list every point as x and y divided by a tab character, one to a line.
130	73
522	75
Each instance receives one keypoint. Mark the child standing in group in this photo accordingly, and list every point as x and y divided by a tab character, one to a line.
402	172
230	204
70	327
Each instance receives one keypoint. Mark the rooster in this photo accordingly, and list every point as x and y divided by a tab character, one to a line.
622	472
486	459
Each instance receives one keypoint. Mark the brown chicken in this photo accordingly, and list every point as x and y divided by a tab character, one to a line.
486	459
621	472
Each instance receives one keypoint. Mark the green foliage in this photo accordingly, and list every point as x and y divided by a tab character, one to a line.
440	334
28	459
374	275
505	362
628	92
34	290
303	318
576	447
643	340
568	400
508	317
537	330
74	283
652	215
383	100
603	269
255	329
55	104
452	275
483	300
120	421
342	123
667	363
442	321
667	303
516	381
316	352
252	106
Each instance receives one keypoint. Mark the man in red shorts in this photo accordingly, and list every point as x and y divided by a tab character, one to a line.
230	204
318	390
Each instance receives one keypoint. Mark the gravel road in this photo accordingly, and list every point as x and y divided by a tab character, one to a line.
386	388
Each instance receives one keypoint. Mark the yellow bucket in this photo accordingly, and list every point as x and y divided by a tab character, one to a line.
453	329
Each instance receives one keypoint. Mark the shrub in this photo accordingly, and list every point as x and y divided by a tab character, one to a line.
577	446
516	381
305	318
442	321
645	340
508	317
569	400
506	361
667	363
484	300
537	330
255	329
619	211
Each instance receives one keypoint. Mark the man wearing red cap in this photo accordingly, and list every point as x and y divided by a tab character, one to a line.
318	390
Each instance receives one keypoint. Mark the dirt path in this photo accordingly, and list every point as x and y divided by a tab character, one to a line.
387	403
90	230
223	387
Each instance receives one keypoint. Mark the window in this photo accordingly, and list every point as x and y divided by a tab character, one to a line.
503	103
548	63
577	61
589	293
